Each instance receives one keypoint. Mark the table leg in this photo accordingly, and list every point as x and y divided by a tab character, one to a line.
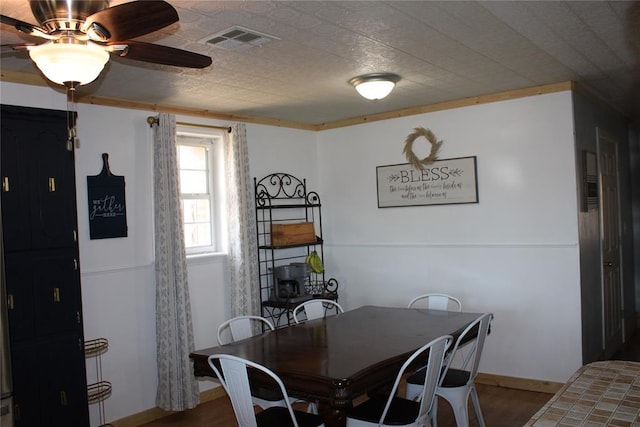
332	417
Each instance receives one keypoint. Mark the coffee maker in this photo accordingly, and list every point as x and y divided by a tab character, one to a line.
289	281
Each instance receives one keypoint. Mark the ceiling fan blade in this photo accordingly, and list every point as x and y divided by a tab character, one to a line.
25	27
130	20
157	54
13	47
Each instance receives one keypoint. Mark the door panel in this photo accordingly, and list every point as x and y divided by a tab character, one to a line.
15	201
64	394
610	245
43	291
55	289
38	163
51	390
19	279
54	219
26	392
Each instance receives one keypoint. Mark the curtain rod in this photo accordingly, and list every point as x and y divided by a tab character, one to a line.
154	120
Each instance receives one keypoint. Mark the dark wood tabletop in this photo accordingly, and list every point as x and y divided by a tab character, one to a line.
339	358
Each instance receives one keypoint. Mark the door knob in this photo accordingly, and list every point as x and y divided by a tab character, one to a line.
608	264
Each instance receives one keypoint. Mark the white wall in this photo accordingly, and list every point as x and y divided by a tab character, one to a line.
514	253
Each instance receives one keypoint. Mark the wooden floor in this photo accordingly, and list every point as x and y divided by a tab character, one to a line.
501	407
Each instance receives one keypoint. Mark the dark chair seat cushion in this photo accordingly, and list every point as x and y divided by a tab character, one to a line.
453	378
401	412
279	417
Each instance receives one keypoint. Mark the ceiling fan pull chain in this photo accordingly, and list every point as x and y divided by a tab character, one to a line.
71	119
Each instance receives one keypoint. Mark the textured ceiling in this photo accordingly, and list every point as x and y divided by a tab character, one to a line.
442	50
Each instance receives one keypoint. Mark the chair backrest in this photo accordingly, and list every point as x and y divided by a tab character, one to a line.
316	308
242	327
437	349
438	302
473	349
232	373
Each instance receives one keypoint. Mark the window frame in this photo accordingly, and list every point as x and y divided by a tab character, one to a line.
212	139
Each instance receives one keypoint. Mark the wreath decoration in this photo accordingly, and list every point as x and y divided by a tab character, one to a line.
408	147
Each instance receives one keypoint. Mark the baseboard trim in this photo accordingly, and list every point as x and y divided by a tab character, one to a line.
156	413
527	384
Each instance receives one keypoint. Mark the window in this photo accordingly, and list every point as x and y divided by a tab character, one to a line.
199	163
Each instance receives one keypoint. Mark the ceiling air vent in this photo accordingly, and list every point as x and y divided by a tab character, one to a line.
237	38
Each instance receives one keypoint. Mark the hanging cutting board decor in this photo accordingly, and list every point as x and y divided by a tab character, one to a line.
107	207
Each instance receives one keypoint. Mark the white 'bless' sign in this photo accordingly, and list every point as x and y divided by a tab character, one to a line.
443	182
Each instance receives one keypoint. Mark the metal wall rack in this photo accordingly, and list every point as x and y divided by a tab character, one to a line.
99	391
281	198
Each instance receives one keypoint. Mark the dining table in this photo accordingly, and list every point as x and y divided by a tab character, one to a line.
336	359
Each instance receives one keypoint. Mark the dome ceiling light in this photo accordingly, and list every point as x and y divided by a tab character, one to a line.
70	63
375	86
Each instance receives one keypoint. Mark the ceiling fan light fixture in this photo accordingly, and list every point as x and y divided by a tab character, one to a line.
375	86
69	64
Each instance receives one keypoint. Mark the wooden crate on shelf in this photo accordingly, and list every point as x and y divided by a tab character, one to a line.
292	234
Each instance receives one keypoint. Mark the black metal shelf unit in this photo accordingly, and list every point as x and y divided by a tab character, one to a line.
282	198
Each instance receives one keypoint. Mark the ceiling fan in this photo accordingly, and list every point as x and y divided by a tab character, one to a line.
81	34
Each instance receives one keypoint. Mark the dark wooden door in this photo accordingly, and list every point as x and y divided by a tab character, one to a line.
610	245
39	225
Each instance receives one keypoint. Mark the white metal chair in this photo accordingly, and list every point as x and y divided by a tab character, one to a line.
232	371
316	309
382	410
242	327
456	385
437	302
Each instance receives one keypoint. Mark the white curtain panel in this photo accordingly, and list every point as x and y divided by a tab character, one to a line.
177	386
242	244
